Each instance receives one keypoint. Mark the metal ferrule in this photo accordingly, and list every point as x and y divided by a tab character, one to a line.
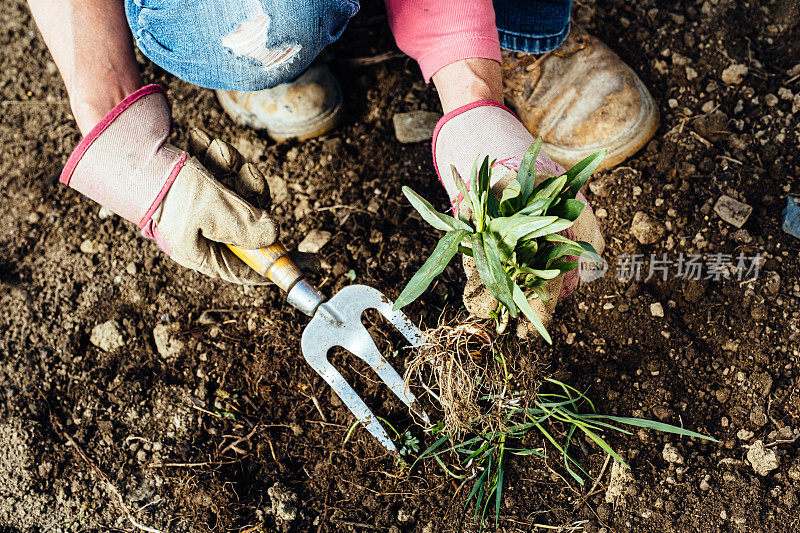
305	297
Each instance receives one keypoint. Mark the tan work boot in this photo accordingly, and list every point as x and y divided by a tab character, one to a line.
580	98
307	107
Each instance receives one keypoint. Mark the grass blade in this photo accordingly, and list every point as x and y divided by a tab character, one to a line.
652	424
526	174
462	188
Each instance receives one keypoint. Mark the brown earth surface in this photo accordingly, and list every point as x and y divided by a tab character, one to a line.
197	440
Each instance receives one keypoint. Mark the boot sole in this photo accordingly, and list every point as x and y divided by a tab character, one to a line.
320	125
621	148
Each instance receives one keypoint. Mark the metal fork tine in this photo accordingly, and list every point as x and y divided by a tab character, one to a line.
338	323
318	360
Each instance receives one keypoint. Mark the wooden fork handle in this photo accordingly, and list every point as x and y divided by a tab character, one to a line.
272	262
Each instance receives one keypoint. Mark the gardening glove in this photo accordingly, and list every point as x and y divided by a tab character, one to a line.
488	128
125	164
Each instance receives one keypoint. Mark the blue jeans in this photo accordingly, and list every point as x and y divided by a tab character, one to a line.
532	26
220	44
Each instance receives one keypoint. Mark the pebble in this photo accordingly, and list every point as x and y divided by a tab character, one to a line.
704	484
106	336
734	74
742	235
732	211
646	229
691	73
314	241
89	247
785	94
278	190
656	309
168	344
770	99
671	454
744	434
104	212
791	216
763	460
414	126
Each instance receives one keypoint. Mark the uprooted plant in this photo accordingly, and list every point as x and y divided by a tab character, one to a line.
515	240
495	401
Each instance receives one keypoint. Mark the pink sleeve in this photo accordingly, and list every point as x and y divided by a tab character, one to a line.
439	32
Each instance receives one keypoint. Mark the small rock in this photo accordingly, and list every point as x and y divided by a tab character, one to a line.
168	344
734	74
131	268
278	190
646	229
250	151
415	126
690	74
791	216
742	235
744	434
770	99
403	515
704	484
656	309
283	502
732	211
763	460
106	336
723	395
104	212
757	416
671	454
89	247
789	499
314	241
621	478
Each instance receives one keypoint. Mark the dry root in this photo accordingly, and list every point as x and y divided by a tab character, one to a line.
474	375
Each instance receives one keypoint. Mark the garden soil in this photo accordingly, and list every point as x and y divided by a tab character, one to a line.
200	414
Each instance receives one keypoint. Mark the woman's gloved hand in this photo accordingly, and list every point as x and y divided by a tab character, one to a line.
488	128
125	164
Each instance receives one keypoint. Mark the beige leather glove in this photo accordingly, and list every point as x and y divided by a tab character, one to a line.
125	164
488	128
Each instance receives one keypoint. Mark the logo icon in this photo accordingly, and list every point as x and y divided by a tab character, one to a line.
591	267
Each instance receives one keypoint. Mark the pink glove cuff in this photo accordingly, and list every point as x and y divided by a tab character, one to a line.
122	163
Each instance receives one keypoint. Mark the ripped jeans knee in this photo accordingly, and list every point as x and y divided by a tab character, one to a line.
240	45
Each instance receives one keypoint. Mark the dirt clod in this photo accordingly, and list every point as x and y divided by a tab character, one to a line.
763	460
107	336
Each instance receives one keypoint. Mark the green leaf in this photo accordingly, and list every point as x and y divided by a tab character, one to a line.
579	173
526	172
431	216
509	230
537	206
530	314
550	187
507	203
491	271
559	225
462	188
544	274
474	191
569	209
436	263
430	449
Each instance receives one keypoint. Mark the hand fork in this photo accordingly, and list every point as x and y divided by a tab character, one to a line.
337	322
